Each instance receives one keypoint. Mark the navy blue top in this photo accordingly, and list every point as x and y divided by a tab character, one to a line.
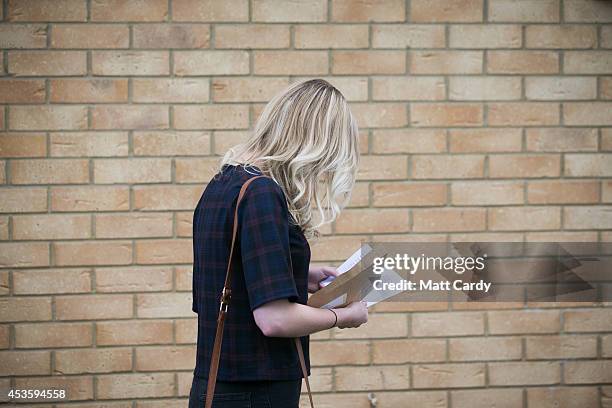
271	259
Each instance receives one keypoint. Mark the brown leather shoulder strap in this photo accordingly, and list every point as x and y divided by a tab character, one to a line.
223	307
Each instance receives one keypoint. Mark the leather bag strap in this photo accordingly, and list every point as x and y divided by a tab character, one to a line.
223	307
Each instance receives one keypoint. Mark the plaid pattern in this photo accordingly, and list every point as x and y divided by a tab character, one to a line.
270	261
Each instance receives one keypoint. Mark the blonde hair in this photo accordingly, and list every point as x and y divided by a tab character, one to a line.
306	139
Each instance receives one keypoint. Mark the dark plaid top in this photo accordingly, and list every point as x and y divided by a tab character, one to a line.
270	261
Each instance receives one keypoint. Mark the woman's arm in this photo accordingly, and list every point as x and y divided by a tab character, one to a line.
281	318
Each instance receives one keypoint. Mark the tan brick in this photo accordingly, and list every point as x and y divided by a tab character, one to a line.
129	117
51	226
562	397
331	36
135	385
524	321
560	347
58	117
210	10
88	36
447	324
448	375
379	325
485	36
24	255
79	388
16	363
402	351
193	170
524	218
141	170
46	63
165	358
371	10
171	36
372	220
138	63
290	62
90	198
335	247
587	113
408	194
23	145
487	193
606	191
211	63
376	115
449	219
559	88
93	307
129	10
50	281
53	335
522	62
372	378
184	276
523	114
382	167
524	373
484	88
446	11
4	236
563	192
606	87
446	114
164	251
15	309
104	360
186	331
76	144
524	166
251	36
445	62
133	279
246	89
154	198
409	141
525	11
411	36
408	88
588	165
159	305
49	171
325	353
22	200
368	62
483	398
587	217
133	225
447	166
133	332
155	143
211	117
273	11
561	139
560	36
579	11
485	140
485	348
88	90
170	90
587	372
92	253
587	62
46	10
22	91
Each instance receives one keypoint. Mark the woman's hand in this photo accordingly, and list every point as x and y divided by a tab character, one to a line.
318	273
352	315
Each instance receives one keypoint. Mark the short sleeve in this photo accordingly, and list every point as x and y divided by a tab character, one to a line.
264	240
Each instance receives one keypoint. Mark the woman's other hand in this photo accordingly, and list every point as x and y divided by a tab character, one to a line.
316	274
353	315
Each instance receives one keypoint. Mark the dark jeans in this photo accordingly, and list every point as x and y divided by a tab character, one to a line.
247	394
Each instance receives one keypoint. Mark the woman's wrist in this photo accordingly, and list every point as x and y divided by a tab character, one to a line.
335	318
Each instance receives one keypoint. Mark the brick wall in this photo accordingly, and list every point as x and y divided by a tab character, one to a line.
481	120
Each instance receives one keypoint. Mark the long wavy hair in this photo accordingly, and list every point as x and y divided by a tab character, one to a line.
306	139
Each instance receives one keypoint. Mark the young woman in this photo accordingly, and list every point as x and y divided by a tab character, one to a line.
305	143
